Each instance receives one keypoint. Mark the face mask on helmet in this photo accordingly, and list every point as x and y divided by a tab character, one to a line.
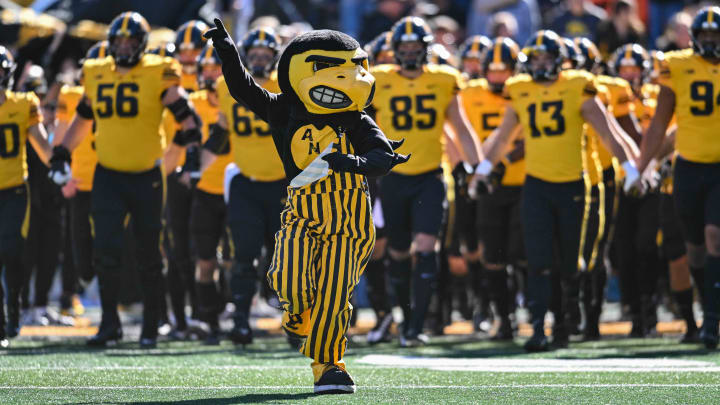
260	61
7	68
329	82
707	44
542	66
411	55
127	38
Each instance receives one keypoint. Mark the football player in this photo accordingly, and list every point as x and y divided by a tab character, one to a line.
638	215
471	55
552	106
379	50
83	164
689	87
413	101
616	94
207	216
20	121
498	212
125	95
255	184
189	42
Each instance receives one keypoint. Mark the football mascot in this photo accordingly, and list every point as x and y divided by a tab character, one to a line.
327	144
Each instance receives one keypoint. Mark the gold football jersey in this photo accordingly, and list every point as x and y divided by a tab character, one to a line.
414	110
251	144
128	110
485	111
18	113
696	83
212	178
553	123
84	157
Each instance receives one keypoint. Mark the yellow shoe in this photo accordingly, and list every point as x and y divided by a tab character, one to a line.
332	378
77	306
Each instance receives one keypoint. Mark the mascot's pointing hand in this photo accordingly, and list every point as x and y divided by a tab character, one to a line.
219	35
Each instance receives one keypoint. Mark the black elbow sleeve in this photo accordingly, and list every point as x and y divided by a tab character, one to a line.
218	141
84	110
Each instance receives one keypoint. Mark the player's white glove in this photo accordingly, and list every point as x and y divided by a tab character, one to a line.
60	172
632	176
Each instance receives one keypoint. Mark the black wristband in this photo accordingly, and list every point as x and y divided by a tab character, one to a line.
217	142
180	109
84	110
60	154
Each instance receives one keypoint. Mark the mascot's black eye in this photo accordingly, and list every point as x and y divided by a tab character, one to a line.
322	65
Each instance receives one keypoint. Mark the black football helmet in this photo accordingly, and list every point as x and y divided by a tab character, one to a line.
471	55
190	36
98	51
208	57
707	19
128	25
549	42
575	58
411	29
590	53
503	54
260	37
166	49
381	45
7	67
632	55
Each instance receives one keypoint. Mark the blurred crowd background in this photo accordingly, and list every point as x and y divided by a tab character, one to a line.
50	37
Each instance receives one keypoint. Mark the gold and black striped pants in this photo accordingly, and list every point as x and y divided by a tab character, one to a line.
321	250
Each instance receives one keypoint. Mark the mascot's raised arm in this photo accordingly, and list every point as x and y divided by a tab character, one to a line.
327	145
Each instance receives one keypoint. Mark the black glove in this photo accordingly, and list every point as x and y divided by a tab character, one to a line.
60	165
192	164
339	162
399	159
220	37
396	144
494	180
186	137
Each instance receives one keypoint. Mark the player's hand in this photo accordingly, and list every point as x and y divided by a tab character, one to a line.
633	180
70	189
60	166
220	37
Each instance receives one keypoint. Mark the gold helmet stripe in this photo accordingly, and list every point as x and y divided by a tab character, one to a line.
408	25
124	25
539	39
497	52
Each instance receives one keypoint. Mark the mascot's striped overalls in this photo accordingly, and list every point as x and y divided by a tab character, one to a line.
327	145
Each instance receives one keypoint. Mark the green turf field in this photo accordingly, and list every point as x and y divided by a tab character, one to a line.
451	370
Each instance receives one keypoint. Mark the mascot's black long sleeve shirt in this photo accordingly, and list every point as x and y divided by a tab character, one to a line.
285	114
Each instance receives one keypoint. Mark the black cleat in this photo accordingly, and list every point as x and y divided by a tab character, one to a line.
536	343
213	338
335	381
241	336
637	330
691	336
504	332
709	335
591	333
106	337
381	332
148	343
12	329
560	342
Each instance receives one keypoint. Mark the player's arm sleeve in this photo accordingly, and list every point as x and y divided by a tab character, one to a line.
218	141
243	87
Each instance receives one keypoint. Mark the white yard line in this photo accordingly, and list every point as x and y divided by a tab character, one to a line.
373	387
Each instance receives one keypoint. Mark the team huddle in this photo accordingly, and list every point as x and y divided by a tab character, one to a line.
531	168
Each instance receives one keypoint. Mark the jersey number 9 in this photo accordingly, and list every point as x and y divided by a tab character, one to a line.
126	102
401	107
703	92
